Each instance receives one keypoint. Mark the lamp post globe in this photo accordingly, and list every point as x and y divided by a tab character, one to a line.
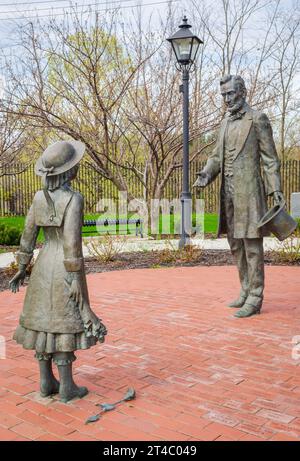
185	44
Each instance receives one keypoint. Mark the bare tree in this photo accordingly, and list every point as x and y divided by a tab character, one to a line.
232	31
14	138
72	79
155	111
287	60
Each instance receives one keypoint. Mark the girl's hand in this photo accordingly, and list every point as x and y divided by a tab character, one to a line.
17	280
75	291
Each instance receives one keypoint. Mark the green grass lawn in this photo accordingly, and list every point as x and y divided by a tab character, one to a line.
210	225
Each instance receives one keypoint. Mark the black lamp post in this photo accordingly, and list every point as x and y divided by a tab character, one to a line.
185	46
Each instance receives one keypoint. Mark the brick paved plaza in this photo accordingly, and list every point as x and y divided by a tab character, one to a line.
199	373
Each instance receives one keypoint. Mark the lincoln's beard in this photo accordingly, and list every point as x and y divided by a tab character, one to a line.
237	106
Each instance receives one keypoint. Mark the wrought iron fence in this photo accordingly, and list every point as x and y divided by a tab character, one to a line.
17	191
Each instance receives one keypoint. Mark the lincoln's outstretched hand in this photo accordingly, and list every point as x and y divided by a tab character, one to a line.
202	180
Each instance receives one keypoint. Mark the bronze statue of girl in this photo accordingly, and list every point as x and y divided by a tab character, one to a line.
56	318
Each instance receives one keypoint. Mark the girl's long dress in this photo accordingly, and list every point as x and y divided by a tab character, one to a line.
50	321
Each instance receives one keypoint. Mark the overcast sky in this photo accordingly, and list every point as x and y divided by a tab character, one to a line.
13	13
20	8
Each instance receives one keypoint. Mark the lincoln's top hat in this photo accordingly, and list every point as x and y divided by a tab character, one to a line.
278	221
59	158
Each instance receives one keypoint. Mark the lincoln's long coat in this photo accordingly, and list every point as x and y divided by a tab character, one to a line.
253	147
47	306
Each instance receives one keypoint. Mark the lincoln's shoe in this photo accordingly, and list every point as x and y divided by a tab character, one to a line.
247	310
239	302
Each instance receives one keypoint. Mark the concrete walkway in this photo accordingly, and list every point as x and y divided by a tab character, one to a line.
199	373
144	244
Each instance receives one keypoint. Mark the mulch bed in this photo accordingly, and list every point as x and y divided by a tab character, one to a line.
153	259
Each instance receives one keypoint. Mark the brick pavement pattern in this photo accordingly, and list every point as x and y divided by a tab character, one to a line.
199	373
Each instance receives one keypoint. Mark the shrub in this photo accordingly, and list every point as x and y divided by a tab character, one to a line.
173	254
12	269
105	248
289	249
9	235
169	254
190	253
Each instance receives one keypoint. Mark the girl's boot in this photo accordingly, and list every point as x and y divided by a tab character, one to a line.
48	383
67	389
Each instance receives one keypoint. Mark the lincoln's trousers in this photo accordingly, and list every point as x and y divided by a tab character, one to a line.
248	253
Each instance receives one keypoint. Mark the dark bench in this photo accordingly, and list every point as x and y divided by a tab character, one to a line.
108	222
